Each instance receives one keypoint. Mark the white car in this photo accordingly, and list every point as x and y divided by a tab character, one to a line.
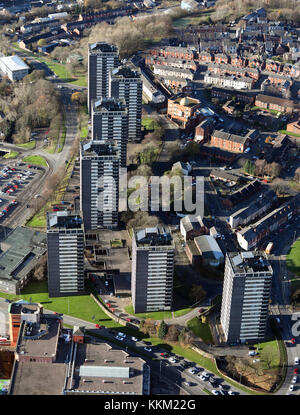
253	353
291	388
296	360
119	338
172	360
192	371
216	392
120	334
233	393
148	349
134	339
205	374
247	150
203	377
294	380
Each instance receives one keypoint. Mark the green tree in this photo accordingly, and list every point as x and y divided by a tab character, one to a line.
163	330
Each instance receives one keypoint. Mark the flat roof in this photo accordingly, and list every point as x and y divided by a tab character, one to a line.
103	47
64	219
101	368
156	236
109	104
249	262
14	63
43	339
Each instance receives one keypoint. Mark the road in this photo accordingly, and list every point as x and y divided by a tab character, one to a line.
170	372
21	214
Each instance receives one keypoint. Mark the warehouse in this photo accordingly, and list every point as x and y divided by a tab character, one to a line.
13	67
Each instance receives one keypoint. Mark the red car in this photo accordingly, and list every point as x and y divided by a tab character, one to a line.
128	319
296	371
293	341
28	166
13	169
97	326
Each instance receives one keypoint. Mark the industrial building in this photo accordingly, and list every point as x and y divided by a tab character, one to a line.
20	253
13	67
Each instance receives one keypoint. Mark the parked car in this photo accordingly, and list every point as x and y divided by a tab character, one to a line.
134	339
148	349
296	360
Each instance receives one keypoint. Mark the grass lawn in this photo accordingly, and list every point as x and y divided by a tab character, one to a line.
39	160
272	351
182	312
201	330
289	133
29	146
150	124
116	243
62	139
293	258
157	315
82	306
39	219
83	133
11	155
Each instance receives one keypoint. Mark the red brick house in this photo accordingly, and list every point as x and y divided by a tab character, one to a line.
294	125
274	103
229	142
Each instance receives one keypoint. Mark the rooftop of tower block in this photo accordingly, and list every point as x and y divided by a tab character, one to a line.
102	47
157	236
249	262
64	220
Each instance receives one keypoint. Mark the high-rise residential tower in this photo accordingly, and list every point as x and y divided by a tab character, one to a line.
65	238
125	83
246	294
110	122
99	184
102	57
152	269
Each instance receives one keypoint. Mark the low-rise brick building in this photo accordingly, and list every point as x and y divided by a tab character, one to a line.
275	103
230	142
185	111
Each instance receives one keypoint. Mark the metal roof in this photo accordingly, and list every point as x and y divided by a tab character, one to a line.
104	371
14	63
